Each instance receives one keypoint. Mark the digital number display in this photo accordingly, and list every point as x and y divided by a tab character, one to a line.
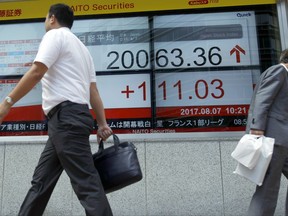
203	88
166	73
117	44
191	94
121	52
205	40
125	91
17	51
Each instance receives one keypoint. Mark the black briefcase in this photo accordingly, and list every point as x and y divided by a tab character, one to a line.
117	165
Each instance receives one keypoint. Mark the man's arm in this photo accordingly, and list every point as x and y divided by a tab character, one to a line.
104	131
26	83
269	86
257	132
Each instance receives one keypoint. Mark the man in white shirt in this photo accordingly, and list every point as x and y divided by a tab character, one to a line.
66	70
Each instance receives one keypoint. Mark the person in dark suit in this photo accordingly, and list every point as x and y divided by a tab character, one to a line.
268	116
67	73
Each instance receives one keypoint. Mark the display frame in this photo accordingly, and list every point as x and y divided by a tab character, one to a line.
153	128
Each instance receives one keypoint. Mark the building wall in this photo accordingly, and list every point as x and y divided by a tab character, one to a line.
181	178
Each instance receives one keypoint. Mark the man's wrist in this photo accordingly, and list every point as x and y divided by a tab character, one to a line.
9	100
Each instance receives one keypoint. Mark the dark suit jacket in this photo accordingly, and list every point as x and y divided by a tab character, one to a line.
269	105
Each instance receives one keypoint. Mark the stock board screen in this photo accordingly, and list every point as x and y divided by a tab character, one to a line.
166	74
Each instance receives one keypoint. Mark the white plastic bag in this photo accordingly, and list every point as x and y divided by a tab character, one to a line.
257	174
248	150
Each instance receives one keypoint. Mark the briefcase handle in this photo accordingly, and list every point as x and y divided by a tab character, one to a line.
115	140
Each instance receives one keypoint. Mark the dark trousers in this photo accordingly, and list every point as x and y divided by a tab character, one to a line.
68	149
265	198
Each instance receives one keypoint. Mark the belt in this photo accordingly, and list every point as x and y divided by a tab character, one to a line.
58	107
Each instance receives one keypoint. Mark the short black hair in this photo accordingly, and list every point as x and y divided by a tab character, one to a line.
284	56
63	13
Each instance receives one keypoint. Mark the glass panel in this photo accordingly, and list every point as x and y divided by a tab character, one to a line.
206	61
